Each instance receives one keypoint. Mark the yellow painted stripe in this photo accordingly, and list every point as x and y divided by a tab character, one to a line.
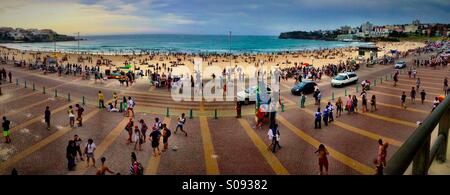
405	90
212	168
359	131
425	82
38	118
271	159
153	163
414	85
26	107
100	150
391	95
398	121
401	108
360	167
30	150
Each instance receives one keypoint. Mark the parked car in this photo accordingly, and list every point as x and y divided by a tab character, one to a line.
400	65
343	79
249	95
306	87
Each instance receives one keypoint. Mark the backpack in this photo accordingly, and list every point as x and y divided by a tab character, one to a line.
168	133
140	169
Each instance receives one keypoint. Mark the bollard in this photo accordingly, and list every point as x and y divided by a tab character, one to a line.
1	91
375	82
332	96
391	76
25	84
381	80
17	81
190	114
386	78
56	93
84	103
43	90
282	107
357	89
167	112
345	92
215	114
34	87
68	97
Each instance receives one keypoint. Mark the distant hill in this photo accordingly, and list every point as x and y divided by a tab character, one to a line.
307	35
11	35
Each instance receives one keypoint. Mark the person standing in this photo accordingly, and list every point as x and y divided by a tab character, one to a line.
414	73
339	107
47	115
165	135
355	103
130	106
413	95
10	77
423	94
373	103
136	167
137	138
70	151
364	102
382	152
330	112
103	168
80	111
349	104
115	99
155	136
318	119
77	140
403	99
129	129
71	116
417	84
89	152
302	100
180	125
101	100
325	116
5	124
322	152
395	78
445	85
274	136
435	103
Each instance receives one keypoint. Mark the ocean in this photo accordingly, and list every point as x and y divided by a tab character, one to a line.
126	44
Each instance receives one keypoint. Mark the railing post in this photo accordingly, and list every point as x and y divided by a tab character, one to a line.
1	91
282	107
190	114
25	84
17	81
420	162
345	92
215	114
43	90
386	78
68	96
444	124
375	82
56	93
357	87
332	96
381	80
167	112
84	102
34	87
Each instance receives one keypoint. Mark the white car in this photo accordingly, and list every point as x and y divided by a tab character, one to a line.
344	78
400	65
249	95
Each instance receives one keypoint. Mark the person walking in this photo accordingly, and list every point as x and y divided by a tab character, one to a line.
413	95
101	100
373	103
435	103
144	129
130	108
89	152
155	136
165	135
137	138
322	153
403	99
382	152
339	107
396	78
274	137
181	121
47	115
136	167
355	103
6	125
129	129
318	119
325	116
70	151
80	111
364	102
71	114
77	140
349	104
423	94
103	168
10	77
330	112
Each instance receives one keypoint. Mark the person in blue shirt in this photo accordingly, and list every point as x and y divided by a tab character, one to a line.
318	121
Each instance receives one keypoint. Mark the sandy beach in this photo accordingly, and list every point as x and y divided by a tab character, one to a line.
183	64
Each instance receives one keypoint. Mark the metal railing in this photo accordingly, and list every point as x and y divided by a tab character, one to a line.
416	148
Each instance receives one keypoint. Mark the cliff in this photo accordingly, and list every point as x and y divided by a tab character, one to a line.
308	35
11	35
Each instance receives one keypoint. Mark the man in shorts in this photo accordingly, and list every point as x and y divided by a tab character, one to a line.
6	132
155	136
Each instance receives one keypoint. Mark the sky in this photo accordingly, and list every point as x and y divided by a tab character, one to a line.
243	17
